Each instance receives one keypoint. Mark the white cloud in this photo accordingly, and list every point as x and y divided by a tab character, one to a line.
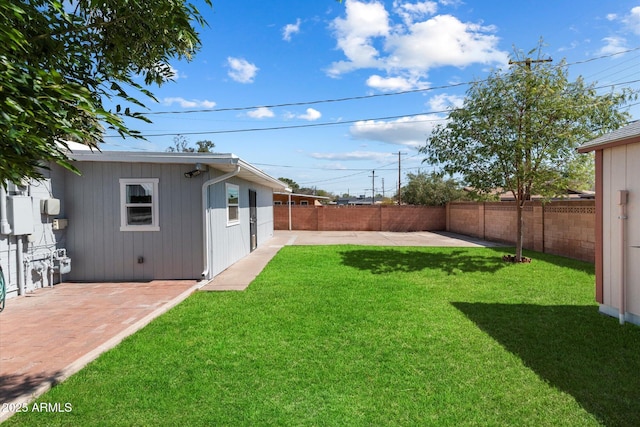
413	11
241	70
311	114
613	44
444	40
407	50
410	131
290	29
353	155
632	20
261	113
395	84
188	103
444	102
612	17
355	34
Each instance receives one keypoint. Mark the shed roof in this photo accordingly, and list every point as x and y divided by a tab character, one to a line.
225	162
625	135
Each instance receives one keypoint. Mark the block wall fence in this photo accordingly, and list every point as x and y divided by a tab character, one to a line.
565	228
361	218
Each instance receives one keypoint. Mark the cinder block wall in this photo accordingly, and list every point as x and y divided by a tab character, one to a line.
564	228
361	218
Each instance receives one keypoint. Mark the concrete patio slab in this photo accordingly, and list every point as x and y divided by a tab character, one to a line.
382	238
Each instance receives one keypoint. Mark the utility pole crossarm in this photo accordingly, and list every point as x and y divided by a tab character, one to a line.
529	61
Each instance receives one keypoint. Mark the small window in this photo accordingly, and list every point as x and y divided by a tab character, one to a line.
304	203
277	202
233	204
139	204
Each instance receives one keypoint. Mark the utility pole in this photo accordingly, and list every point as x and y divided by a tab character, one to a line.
383	189
373	187
527	62
399	178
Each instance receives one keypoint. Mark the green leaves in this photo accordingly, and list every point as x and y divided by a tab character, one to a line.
519	129
430	189
58	64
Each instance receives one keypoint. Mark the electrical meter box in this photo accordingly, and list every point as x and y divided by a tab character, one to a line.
50	207
20	215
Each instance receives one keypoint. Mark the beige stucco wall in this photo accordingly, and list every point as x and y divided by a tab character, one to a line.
621	171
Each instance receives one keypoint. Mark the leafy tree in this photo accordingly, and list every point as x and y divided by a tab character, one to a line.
292	184
430	189
205	146
181	145
60	61
519	129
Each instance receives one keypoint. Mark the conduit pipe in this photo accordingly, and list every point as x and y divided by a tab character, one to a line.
5	227
622	202
205	222
21	264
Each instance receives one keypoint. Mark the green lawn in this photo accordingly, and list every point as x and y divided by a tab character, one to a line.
353	335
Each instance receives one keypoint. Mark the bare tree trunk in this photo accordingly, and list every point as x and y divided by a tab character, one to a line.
519	230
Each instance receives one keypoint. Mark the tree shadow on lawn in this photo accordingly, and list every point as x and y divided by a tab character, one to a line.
381	261
13	386
573	348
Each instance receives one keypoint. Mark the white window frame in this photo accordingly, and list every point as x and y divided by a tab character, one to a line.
304	203
235	187
277	202
155	220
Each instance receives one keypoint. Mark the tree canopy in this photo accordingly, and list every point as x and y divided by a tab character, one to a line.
60	61
182	145
430	189
519	129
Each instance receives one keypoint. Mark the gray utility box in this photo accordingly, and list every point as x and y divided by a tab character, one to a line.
20	215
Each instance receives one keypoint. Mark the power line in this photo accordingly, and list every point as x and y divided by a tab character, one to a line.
307	125
378	95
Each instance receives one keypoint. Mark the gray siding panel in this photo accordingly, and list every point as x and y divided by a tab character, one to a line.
231	243
100	251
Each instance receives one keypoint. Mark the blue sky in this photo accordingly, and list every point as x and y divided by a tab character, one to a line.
328	74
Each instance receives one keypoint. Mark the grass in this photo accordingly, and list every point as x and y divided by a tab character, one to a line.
352	335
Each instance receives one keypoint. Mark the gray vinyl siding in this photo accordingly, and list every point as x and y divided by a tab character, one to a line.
229	243
101	252
43	240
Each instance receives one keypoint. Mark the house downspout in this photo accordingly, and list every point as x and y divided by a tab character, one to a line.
622	195
205	223
5	227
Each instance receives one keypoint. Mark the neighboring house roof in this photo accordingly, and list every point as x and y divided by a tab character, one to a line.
224	162
302	195
354	201
625	135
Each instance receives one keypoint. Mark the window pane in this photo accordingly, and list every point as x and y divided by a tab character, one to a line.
233	194
139	193
139	216
233	213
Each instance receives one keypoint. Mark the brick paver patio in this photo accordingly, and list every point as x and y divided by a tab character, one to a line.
50	334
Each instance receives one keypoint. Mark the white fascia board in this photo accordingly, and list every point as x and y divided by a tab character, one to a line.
220	161
270	181
155	157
